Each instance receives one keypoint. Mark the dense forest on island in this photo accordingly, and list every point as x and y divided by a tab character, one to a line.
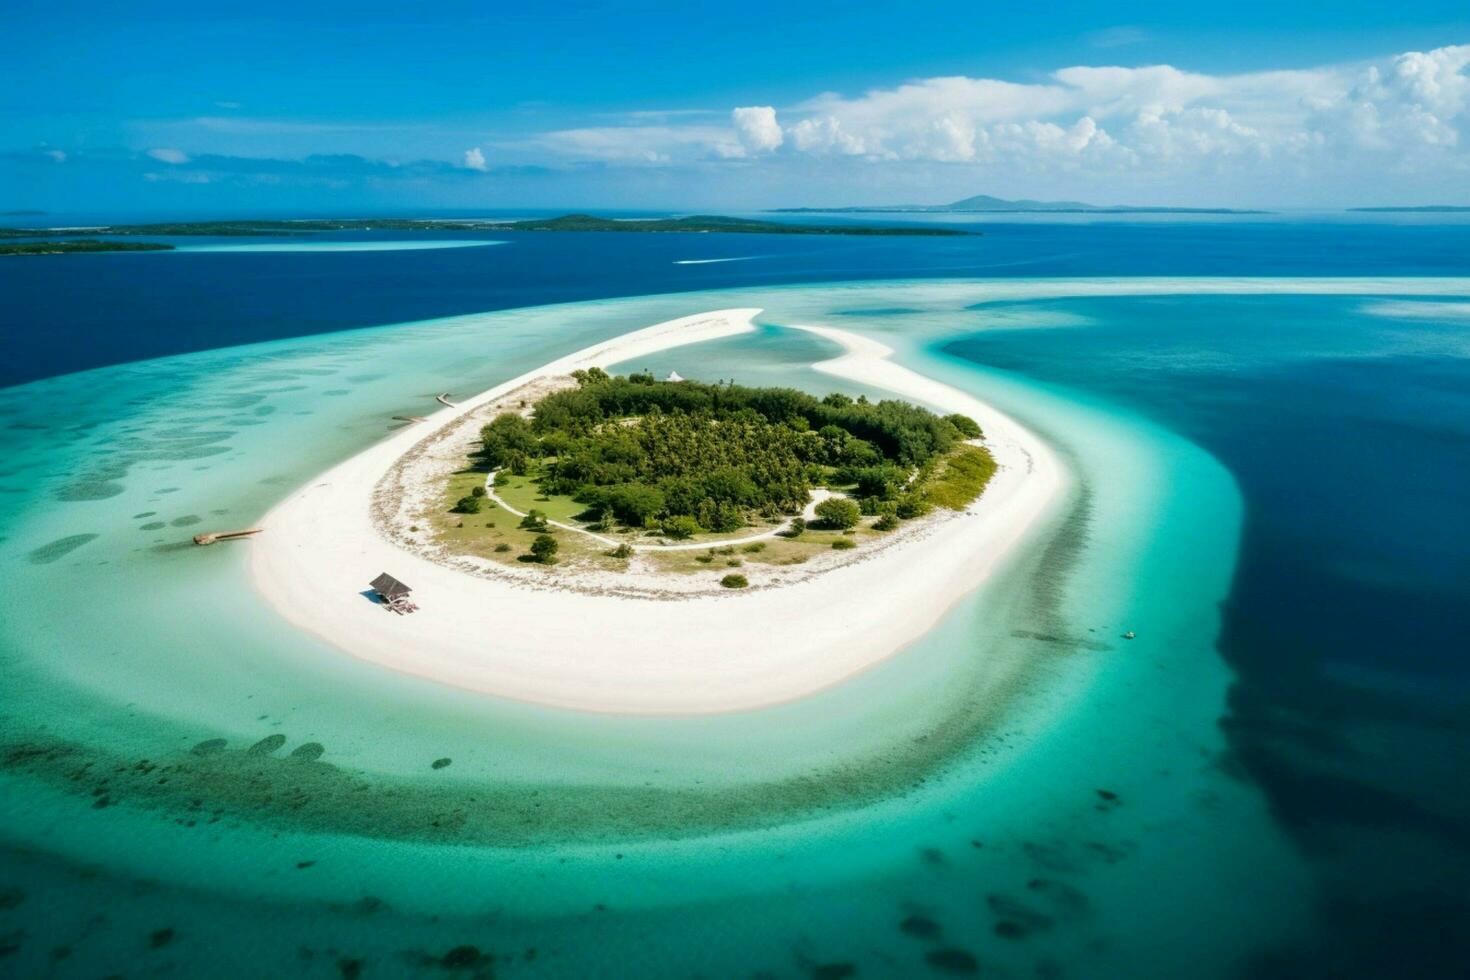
687	456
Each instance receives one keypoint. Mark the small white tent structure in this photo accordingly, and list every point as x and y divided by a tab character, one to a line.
673	376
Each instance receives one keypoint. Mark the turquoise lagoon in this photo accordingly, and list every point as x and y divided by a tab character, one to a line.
193	786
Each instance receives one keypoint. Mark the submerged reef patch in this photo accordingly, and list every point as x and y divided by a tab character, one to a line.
58	549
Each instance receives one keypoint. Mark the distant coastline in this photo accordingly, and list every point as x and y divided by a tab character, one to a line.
1098	210
715	223
1028	210
702	223
985	204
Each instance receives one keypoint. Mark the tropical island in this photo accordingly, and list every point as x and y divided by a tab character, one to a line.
603	541
688	477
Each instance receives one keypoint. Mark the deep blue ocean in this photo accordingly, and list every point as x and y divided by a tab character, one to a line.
1348	434
107	309
1348	625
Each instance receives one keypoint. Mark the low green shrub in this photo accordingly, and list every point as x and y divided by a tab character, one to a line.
544	549
468	505
967	426
962	476
838	512
680	527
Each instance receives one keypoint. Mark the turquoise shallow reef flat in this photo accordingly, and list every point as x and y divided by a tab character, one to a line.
191	785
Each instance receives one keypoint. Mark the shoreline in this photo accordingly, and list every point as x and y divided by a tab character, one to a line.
616	654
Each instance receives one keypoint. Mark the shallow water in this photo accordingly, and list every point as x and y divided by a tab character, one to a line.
1021	787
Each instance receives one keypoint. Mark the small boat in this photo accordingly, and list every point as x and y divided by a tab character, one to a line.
1129	635
212	536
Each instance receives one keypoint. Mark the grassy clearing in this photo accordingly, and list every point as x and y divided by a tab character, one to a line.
524	494
496	528
959	478
495	534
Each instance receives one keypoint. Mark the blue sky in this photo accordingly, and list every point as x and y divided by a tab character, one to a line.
335	106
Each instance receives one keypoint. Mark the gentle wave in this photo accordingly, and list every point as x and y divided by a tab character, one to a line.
1418	310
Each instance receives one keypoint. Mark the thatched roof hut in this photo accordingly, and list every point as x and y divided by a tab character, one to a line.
389	587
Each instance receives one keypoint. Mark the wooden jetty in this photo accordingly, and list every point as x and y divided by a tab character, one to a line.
213	536
444	399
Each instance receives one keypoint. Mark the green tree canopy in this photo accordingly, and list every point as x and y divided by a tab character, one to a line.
645	451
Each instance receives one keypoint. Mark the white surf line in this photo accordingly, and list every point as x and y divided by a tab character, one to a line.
738	258
710	652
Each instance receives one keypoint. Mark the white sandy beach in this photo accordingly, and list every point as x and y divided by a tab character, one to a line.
705	653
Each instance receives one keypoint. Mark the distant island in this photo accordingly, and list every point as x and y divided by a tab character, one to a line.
244	228
713	223
985	204
1420	209
241	228
80	245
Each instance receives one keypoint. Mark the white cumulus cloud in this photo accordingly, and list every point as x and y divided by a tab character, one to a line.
1337	129
757	129
474	159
